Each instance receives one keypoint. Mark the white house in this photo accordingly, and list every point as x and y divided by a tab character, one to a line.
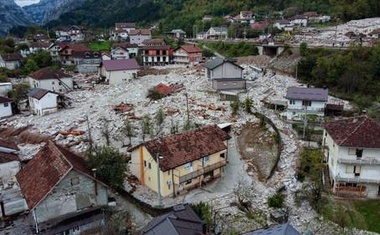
300	20
11	61
118	71
217	33
352	152
5	107
225	74
303	101
42	101
47	78
137	36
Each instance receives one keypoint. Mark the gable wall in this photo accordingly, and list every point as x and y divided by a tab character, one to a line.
67	198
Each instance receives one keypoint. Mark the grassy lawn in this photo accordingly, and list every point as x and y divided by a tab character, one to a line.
100	46
370	210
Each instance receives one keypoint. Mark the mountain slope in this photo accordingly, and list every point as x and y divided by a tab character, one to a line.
48	10
11	15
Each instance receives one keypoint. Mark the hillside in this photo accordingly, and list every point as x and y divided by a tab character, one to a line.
11	15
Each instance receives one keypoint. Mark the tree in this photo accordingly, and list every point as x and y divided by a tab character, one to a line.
30	66
110	165
159	117
303	49
247	105
146	126
128	129
235	105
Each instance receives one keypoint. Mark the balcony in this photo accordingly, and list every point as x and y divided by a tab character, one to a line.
202	171
357	180
363	161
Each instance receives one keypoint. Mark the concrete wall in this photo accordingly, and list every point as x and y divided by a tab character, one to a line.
118	77
8	170
225	84
5	109
67	198
52	84
44	106
227	70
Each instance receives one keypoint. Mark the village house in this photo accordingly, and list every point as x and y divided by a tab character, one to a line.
5	107
176	33
69	52
57	185
177	163
156	52
188	54
118	71
225	74
49	79
11	61
88	61
245	17
182	220
299	20
352	152
217	33
125	26
42	102
305	100
122	51
137	36
283	25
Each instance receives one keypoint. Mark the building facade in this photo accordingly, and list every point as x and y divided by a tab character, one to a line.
352	152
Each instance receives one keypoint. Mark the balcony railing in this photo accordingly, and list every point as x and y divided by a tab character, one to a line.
201	171
356	180
363	161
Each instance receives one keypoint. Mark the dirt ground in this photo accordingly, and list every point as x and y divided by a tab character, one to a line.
258	148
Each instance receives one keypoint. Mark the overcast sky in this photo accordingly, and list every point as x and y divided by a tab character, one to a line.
25	2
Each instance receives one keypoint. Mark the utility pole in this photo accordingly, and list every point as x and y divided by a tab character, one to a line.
158	179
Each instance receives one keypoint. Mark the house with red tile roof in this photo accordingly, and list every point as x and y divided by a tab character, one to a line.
118	71
137	36
352	152
5	107
57	184
11	61
188	54
50	79
177	163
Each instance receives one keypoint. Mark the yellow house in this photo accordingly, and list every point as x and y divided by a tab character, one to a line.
180	162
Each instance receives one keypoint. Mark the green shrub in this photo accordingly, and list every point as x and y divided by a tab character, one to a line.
276	201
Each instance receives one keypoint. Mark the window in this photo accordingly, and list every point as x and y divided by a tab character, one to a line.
292	102
75	181
351	151
359	153
149	165
306	103
144	163
188	166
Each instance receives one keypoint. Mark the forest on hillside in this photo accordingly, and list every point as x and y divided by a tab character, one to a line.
185	14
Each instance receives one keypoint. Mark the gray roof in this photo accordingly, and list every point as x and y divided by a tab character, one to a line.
302	93
282	229
182	221
212	64
117	65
